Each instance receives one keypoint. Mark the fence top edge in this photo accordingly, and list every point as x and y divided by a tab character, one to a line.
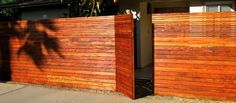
202	13
58	19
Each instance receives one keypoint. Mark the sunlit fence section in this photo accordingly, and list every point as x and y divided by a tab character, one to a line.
195	55
72	52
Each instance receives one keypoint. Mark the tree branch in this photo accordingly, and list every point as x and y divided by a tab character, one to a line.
83	2
92	10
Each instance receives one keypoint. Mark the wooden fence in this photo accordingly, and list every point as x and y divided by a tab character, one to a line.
125	55
195	55
77	52
73	52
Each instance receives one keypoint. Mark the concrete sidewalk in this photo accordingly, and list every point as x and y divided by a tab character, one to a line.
21	93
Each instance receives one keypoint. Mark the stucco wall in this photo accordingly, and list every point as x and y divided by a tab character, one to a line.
199	5
146	37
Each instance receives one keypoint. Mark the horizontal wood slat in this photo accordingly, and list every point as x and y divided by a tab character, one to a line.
125	55
194	55
73	52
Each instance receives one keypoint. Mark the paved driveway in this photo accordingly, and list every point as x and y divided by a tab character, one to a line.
19	93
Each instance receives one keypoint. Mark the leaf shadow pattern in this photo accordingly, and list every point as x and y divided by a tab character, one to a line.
35	39
36	42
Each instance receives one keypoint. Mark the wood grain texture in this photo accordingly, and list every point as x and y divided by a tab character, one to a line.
125	55
73	52
195	55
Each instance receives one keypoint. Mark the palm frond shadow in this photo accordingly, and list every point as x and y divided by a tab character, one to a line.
36	42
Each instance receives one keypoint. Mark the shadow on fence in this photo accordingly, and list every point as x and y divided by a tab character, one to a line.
34	41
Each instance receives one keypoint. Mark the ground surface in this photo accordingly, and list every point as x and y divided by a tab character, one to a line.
25	93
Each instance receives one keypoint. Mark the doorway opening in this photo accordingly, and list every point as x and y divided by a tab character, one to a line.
144	76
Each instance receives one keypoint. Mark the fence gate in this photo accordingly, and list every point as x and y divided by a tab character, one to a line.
195	55
125	55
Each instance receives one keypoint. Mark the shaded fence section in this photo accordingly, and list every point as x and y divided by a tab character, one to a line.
195	55
5	72
125	55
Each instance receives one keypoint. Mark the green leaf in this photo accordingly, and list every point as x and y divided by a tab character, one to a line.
7	1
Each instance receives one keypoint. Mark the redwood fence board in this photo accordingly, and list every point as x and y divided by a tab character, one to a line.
125	55
86	52
194	55
73	52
